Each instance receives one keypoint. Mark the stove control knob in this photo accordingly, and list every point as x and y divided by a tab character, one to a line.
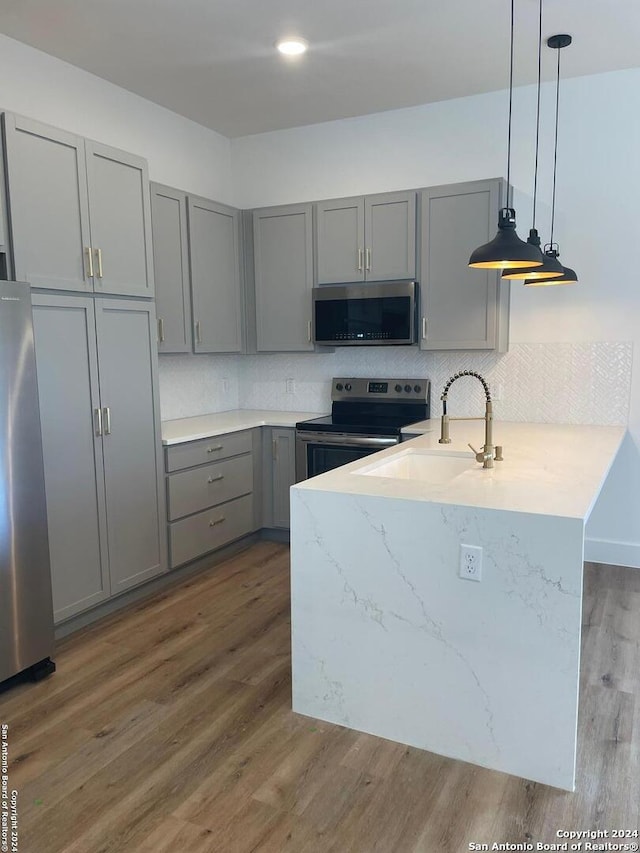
417	388
347	387
398	389
407	388
339	386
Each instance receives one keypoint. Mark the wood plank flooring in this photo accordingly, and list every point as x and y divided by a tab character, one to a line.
168	728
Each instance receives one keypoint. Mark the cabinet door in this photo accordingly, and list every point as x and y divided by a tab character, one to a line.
134	480
340	242
284	473
171	268
462	308
283	262
214	249
47	186
66	360
390	236
120	213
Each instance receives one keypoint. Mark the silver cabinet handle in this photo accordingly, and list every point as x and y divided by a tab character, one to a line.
107	420
198	339
99	260
360	254
274	448
161	330
89	255
424	328
215	521
214	448
215	479
309	331
98	420
368	266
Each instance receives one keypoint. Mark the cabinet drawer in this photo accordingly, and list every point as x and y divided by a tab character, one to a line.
198	488
191	537
207	450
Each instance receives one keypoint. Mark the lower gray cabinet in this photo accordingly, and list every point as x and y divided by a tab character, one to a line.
210	494
100	429
462	308
279	474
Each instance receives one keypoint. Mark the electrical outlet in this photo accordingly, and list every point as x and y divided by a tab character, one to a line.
291	386
470	562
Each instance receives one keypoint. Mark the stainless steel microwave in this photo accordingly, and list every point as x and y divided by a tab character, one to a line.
366	314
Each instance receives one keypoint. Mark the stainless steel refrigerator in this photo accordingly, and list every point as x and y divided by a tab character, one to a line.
26	610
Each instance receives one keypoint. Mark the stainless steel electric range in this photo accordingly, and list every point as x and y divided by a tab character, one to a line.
367	415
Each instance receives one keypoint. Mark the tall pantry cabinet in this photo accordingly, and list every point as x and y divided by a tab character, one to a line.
80	233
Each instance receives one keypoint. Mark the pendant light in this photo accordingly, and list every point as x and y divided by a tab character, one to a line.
551	266
566	275
507	250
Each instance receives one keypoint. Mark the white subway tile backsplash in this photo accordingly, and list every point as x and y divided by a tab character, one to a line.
586	383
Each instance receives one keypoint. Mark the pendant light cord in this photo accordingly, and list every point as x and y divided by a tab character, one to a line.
555	151
510	110
535	168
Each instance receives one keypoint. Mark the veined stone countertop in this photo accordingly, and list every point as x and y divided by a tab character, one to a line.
219	423
548	469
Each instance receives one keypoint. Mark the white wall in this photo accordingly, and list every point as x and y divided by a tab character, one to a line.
180	152
465	139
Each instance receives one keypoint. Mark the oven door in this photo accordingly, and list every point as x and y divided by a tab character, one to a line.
317	452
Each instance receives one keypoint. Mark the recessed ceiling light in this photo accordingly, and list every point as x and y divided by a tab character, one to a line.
292	46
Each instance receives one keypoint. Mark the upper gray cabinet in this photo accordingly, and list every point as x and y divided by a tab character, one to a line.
283	268
120	217
370	238
171	268
462	308
79	212
214	250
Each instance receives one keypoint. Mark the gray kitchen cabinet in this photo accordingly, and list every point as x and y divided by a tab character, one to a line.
462	308
283	448
283	271
210	488
120	217
279	474
216	287
79	212
369	238
49	205
171	268
126	335
64	328
98	398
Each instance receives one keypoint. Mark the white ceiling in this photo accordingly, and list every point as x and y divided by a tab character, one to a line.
214	60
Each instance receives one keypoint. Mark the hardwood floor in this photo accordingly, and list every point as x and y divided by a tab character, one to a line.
168	728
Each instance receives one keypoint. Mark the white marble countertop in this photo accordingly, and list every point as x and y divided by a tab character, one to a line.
548	469
218	423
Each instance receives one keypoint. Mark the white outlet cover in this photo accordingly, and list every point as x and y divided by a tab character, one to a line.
470	568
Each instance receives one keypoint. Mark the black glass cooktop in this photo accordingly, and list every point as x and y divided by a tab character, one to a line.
357	426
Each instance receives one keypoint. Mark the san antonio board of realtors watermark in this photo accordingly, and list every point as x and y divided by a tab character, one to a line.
8	799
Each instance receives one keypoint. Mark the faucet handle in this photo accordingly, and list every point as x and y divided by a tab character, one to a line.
499	457
481	456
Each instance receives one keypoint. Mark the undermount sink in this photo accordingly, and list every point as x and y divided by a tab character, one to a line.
434	467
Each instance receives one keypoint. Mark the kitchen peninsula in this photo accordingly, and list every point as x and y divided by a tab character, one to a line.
388	639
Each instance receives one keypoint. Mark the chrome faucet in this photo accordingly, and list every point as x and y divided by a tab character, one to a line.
489	453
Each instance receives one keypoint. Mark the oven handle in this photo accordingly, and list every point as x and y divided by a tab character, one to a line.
352	440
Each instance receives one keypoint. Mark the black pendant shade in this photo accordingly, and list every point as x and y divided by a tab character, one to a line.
506	250
550	268
565	276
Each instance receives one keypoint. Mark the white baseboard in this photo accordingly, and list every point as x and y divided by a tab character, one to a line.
612	553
